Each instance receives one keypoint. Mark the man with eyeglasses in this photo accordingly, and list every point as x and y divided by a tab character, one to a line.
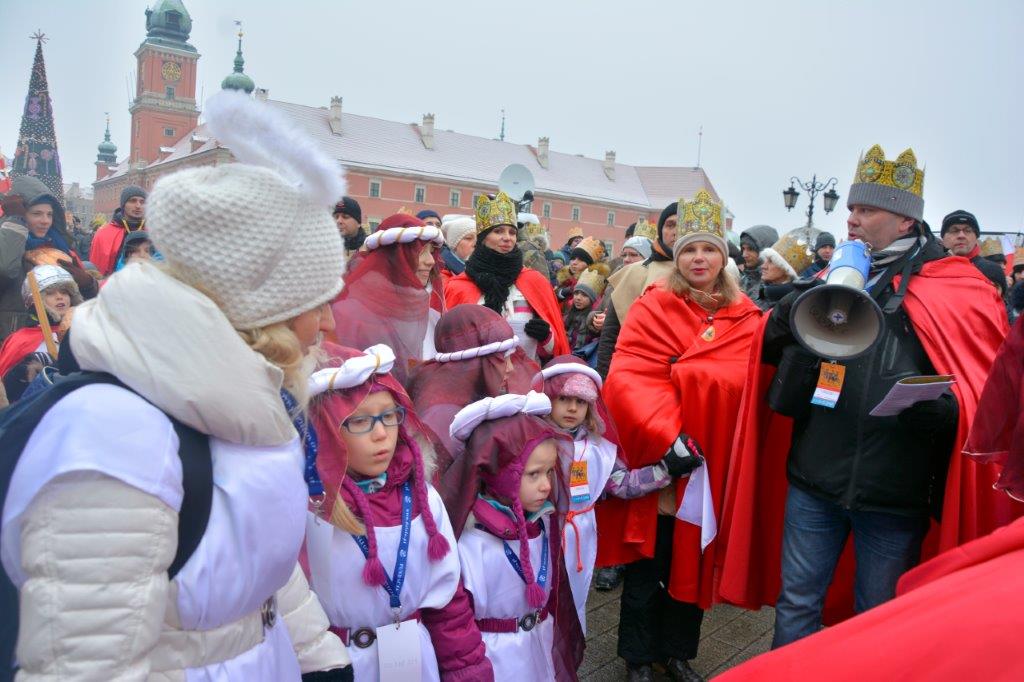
960	237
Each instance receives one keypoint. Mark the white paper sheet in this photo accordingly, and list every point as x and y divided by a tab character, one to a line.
398	652
906	392
697	506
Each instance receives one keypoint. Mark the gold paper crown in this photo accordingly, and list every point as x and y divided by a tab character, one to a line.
797	247
593	279
902	173
701	215
646	230
535	230
574	231
593	247
500	210
991	246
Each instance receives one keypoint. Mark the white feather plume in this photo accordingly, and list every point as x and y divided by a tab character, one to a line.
258	135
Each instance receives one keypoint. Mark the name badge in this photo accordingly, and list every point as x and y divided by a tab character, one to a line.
830	385
579	487
398	652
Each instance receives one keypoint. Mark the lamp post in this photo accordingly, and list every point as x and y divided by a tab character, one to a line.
829	199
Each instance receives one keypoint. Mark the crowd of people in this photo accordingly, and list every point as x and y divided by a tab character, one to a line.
245	441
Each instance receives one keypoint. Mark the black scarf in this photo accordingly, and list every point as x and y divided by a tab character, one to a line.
355	242
494	273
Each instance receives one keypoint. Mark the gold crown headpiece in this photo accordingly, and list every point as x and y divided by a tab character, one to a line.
700	215
592	247
594	279
797	247
500	210
646	229
902	173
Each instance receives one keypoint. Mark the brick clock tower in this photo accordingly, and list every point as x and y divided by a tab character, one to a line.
164	109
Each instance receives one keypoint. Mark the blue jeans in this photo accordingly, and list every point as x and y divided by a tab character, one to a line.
885	546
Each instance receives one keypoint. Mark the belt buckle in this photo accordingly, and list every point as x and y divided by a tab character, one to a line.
363	638
528	622
268	612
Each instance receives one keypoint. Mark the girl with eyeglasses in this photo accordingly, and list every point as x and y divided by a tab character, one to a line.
379	545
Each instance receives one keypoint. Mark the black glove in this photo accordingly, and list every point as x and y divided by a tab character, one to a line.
931	416
87	284
563	293
336	675
683	456
538	329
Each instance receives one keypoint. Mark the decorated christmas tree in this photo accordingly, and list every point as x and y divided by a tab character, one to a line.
36	153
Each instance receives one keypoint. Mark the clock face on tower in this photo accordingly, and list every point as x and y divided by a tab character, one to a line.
171	72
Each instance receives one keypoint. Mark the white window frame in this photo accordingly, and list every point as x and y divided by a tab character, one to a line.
455	198
416	194
476	195
546	209
380	188
373	223
575	214
611	218
170	133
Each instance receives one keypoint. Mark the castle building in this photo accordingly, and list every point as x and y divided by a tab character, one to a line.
390	165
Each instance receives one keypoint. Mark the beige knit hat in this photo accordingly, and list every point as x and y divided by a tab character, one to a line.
260	239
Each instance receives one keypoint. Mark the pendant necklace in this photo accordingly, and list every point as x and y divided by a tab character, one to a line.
709	333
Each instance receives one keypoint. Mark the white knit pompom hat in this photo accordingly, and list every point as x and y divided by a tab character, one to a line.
257	234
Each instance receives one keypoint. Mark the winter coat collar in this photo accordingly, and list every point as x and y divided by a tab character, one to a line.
173	346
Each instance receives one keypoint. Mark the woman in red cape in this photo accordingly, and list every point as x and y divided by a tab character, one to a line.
495	277
960	323
676	377
393	292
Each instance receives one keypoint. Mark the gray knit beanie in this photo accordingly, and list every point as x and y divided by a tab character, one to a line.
894	186
260	240
132	191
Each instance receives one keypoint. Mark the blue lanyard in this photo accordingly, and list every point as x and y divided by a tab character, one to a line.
310	444
393	586
542	573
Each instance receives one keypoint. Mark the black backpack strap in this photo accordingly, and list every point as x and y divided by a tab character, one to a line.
197	480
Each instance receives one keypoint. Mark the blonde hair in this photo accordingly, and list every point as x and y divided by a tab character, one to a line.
343	518
276	342
725	286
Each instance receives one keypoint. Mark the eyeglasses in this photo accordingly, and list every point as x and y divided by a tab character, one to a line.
366	423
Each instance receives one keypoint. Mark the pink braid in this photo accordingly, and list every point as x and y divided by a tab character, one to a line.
534	592
373	572
437	544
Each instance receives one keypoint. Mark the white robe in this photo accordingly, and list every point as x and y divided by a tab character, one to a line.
600	458
254	531
336	575
499	592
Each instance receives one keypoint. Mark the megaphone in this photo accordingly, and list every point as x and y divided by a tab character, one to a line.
838	320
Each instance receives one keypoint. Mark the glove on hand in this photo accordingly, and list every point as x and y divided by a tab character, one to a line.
87	285
931	415
683	456
336	675
538	329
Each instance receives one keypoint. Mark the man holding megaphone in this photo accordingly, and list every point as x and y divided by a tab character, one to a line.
813	466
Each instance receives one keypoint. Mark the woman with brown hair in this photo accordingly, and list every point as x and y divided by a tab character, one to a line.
674	386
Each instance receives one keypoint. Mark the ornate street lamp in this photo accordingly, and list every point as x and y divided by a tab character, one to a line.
829	199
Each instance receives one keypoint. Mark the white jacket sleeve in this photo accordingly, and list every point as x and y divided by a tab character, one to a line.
95	552
316	648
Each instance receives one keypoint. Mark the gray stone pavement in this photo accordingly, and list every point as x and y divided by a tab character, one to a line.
728	637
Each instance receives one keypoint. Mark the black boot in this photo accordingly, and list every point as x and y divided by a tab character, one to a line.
681	671
607	579
641	673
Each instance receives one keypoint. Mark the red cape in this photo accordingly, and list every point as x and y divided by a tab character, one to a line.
537	291
106	244
652	399
956	617
17	346
960	322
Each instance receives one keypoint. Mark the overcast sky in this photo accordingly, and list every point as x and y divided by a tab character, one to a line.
780	88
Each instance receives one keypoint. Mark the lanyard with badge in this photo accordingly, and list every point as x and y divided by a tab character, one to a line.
398	645
579	484
542	572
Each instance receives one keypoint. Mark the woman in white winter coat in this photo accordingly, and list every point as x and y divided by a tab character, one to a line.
90	520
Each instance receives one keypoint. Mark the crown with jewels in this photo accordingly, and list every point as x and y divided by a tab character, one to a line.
646	230
500	210
894	186
701	215
902	173
797	247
